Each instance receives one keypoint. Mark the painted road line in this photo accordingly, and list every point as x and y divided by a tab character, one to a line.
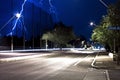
80	60
107	75
94	61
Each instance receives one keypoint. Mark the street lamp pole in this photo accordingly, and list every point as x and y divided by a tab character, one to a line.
17	15
23	32
11	42
104	3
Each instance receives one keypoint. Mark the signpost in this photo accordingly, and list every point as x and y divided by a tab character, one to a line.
115	28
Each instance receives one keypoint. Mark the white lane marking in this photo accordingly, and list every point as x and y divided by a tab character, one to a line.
80	60
107	75
94	60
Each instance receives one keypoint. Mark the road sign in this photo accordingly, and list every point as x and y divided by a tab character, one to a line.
114	28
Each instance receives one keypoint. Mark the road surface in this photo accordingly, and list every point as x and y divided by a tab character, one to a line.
56	66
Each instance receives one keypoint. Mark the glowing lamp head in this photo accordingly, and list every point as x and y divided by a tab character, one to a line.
18	15
91	23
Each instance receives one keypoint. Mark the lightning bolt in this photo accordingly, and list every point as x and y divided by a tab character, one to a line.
52	10
41	2
44	4
21	11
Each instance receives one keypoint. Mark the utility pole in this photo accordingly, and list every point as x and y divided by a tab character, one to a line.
23	27
12	32
115	55
33	26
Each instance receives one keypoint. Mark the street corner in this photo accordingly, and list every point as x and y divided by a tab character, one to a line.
103	62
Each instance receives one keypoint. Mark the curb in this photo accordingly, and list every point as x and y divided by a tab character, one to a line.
100	67
97	67
93	65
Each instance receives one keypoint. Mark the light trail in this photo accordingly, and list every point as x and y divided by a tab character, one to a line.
20	56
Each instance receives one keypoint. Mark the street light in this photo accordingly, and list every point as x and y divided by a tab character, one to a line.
92	24
18	15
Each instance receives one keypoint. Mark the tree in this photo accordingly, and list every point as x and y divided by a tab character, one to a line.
114	14
61	34
103	34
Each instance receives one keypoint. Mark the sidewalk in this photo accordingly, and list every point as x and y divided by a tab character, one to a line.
104	61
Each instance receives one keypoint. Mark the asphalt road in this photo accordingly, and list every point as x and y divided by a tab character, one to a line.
56	66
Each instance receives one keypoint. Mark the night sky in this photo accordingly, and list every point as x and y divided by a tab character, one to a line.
75	13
